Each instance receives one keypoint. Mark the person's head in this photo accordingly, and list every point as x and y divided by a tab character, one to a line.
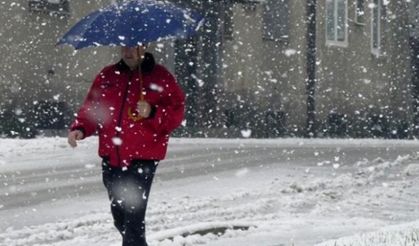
133	56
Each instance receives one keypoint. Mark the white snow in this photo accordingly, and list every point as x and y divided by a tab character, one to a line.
290	52
219	192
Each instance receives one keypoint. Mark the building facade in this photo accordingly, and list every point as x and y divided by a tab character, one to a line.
247	70
41	84
363	81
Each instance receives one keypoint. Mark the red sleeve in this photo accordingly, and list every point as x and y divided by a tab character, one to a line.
170	112
86	118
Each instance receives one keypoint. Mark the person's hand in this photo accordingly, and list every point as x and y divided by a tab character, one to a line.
73	137
144	109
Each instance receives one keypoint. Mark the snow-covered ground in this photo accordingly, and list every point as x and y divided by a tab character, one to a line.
219	192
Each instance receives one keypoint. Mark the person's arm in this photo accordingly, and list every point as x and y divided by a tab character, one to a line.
168	115
85	123
74	136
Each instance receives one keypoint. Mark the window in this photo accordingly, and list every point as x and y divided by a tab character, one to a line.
53	7
376	9
276	20
360	12
228	21
336	22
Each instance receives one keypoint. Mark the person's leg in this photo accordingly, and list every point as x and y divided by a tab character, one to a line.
113	181
141	175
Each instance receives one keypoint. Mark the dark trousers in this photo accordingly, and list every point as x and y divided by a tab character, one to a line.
128	191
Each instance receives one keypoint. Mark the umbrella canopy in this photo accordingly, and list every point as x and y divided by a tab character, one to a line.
133	23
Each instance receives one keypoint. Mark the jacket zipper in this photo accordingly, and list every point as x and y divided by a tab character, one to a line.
118	131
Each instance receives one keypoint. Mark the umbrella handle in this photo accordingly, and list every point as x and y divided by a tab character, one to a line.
141	87
135	116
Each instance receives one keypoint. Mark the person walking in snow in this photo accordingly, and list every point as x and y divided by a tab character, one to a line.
134	105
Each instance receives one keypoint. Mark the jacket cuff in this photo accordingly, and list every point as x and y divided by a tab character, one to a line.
80	129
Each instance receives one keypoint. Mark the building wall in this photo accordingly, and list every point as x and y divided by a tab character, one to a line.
33	67
270	72
352	79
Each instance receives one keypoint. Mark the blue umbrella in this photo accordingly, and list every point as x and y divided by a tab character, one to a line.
132	23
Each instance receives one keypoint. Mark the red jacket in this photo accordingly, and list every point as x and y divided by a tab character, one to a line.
114	93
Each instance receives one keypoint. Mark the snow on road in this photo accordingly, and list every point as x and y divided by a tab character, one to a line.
218	192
